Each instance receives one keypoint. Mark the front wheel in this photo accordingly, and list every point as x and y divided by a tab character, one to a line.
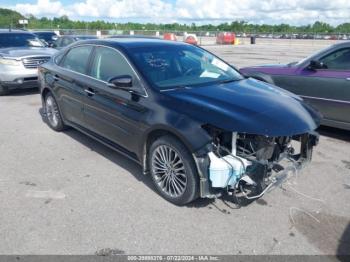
173	170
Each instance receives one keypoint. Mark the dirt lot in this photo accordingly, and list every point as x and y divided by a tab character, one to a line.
268	51
63	193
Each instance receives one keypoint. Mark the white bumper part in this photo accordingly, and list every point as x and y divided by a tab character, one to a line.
12	73
227	170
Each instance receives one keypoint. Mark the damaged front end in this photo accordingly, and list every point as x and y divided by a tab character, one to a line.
246	165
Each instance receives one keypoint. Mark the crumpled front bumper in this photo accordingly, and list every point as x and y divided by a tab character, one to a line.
297	161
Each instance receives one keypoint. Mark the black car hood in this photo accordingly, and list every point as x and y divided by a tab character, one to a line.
248	106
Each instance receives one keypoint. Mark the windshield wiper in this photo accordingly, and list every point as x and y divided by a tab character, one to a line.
174	88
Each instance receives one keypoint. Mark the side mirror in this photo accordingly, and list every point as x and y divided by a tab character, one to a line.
314	65
123	82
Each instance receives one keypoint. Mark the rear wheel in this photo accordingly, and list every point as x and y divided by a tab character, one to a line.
52	113
3	91
173	170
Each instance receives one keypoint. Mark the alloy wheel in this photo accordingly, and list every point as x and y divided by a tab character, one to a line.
52	113
169	171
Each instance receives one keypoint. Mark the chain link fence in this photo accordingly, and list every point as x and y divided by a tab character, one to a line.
209	37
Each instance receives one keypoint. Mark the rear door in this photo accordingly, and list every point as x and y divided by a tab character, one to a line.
112	113
68	91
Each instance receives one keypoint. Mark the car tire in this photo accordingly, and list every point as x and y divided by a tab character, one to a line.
52	114
173	170
3	91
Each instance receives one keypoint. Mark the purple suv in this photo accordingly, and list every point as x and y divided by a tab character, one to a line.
323	80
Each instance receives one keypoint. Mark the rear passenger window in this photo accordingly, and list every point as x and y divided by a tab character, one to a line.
109	63
77	59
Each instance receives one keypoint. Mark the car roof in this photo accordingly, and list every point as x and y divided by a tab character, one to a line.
131	42
342	44
79	36
46	32
14	31
134	36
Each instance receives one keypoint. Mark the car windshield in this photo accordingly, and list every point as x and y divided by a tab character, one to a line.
19	40
47	36
167	67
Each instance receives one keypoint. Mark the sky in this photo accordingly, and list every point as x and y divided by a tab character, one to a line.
295	12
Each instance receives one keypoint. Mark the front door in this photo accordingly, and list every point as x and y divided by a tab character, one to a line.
327	89
113	113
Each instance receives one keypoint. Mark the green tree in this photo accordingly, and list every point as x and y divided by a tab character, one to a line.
9	18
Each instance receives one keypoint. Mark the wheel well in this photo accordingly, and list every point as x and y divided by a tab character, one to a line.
45	92
153	136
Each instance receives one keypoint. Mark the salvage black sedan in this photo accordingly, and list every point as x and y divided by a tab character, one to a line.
191	120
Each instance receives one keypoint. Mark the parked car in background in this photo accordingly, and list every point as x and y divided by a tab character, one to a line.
134	36
225	38
66	40
170	37
323	80
48	37
193	122
21	53
191	39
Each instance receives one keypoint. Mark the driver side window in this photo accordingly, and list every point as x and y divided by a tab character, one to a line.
108	63
338	60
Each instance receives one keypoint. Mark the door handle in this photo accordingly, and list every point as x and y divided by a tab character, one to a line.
57	77
89	92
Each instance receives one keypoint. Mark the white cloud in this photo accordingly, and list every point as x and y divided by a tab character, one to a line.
41	8
203	11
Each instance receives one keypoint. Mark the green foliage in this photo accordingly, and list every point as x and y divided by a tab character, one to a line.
8	17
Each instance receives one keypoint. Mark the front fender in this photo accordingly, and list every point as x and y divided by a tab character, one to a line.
189	132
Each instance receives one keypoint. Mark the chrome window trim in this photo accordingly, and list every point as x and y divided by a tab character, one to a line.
96	45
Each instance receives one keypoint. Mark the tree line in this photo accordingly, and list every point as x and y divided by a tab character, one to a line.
9	18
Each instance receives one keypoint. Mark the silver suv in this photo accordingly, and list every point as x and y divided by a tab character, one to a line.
20	55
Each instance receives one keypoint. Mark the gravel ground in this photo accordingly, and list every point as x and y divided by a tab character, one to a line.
64	193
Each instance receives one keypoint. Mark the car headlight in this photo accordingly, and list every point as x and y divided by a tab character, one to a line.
11	62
